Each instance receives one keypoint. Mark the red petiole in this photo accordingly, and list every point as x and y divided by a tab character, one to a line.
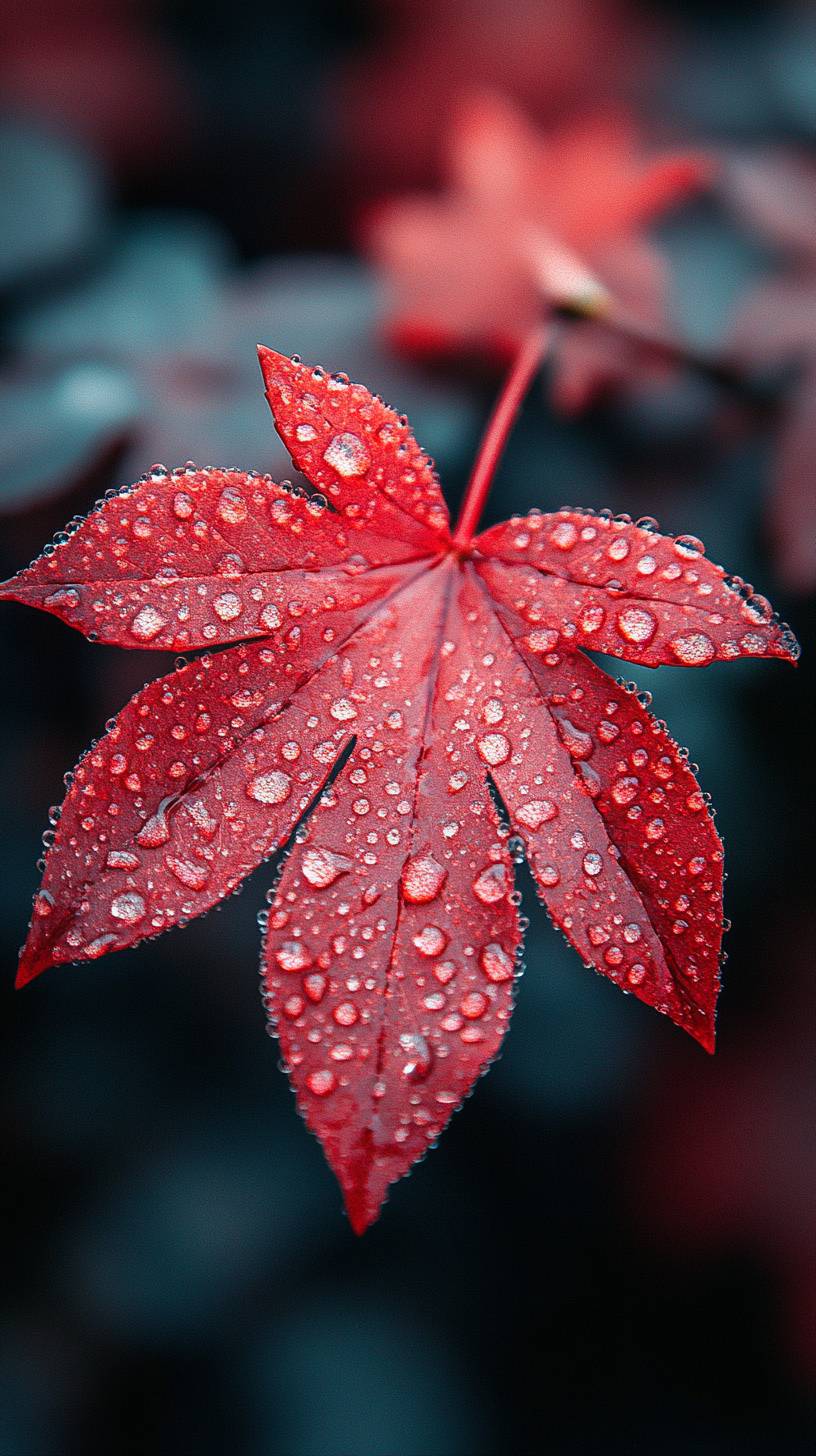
527	364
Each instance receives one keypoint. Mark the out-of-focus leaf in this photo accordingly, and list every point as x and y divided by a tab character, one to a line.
775	192
50	203
158	288
775	325
530	223
170	318
54	425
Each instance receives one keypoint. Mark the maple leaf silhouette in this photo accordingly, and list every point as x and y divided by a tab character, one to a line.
380	678
776	326
530	223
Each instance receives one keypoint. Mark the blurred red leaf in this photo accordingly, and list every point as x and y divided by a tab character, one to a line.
99	69
529	223
382	675
551	58
776	326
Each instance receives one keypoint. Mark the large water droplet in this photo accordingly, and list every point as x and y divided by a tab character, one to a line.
430	940
422	879
578	743
418	1056
147	624
228	606
473	1005
293	956
347	455
491	884
342	710
496	963
270	788
321	1082
536	812
494	748
128	907
122	859
564	535
193	874
155	830
636	625
321	867
232	507
693	649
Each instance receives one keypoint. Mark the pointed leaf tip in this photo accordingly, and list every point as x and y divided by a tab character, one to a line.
360	1215
28	969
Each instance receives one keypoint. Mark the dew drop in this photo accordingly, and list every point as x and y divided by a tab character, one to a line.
347	455
293	956
321	867
578	743
270	788
494	749
418	1056
155	830
591	619
322	1082
564	535
624	790
183	505
542	641
193	874
122	859
430	940
536	812
232	507
315	987
637	625
128	907
147	624
491	884
496	963
228	606
422	880
693	649
270	617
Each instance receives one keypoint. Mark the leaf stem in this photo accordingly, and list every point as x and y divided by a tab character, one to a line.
524	369
719	371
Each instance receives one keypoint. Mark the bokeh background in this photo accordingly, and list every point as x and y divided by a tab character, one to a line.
612	1249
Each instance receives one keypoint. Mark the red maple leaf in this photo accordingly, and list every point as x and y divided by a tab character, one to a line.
384	672
529	223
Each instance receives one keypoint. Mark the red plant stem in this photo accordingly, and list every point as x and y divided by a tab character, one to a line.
525	367
722	372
